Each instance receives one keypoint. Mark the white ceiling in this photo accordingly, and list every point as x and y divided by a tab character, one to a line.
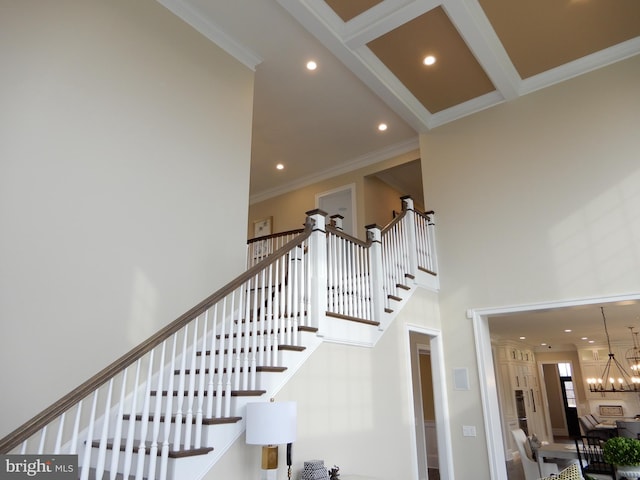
549	325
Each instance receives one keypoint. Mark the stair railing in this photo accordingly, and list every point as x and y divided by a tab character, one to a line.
176	375
161	394
348	274
260	248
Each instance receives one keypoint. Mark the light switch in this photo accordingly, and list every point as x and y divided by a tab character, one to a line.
468	430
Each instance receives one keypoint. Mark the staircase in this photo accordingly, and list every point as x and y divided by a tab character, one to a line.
170	408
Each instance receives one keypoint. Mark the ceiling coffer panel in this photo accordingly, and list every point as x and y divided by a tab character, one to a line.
545	34
456	77
348	9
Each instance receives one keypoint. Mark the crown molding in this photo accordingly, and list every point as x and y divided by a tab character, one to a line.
213	32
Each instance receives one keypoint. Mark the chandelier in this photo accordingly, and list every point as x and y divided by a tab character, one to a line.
614	377
633	355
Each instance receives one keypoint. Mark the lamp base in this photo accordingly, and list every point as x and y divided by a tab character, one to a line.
269	457
271	474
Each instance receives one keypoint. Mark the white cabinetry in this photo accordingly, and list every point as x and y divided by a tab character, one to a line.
519	393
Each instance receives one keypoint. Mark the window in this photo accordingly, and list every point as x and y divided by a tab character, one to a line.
564	369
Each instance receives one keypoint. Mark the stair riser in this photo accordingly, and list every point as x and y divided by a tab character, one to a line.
146	461
137	432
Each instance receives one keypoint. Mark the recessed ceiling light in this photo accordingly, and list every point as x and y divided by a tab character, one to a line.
311	65
382	127
523	338
280	166
592	341
543	344
429	60
567	330
583	338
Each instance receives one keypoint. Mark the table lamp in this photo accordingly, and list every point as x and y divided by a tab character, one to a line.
270	424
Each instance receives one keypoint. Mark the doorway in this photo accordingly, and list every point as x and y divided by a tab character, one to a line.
561	399
340	201
433	456
487	372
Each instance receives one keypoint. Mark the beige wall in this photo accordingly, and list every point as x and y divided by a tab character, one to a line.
537	200
116	124
380	201
288	210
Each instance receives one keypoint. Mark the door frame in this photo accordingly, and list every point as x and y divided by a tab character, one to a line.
352	191
443	433
487	374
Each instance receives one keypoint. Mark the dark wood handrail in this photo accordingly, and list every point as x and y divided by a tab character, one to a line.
275	235
339	233
49	414
395	221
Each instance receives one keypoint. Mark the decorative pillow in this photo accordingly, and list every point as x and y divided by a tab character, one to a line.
570	473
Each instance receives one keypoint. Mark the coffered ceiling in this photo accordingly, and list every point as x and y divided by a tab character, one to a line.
486	51
370	68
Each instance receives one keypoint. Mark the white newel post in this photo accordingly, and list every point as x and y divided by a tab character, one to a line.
410	225
431	228
317	267
374	236
337	221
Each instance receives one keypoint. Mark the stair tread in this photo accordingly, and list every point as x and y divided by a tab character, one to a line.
234	393
181	453
258	369
242	350
205	421
353	319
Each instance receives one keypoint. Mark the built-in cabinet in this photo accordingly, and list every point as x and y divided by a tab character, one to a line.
519	393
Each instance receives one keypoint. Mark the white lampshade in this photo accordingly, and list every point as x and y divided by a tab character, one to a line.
271	423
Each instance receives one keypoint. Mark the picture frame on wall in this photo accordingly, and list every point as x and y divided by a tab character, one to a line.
263	227
610	410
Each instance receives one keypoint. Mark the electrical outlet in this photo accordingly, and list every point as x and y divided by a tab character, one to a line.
468	431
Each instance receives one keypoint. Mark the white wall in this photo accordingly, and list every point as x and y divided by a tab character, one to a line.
353	406
536	200
124	146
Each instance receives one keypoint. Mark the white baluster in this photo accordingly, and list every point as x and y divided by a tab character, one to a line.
43	436
237	371
188	426
128	448
220	356
223	360
144	423
264	334
73	447
117	433
157	415
86	460
254	334
168	411
244	321
201	381
228	363
56	449
212	362
102	448
180	392
279	301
